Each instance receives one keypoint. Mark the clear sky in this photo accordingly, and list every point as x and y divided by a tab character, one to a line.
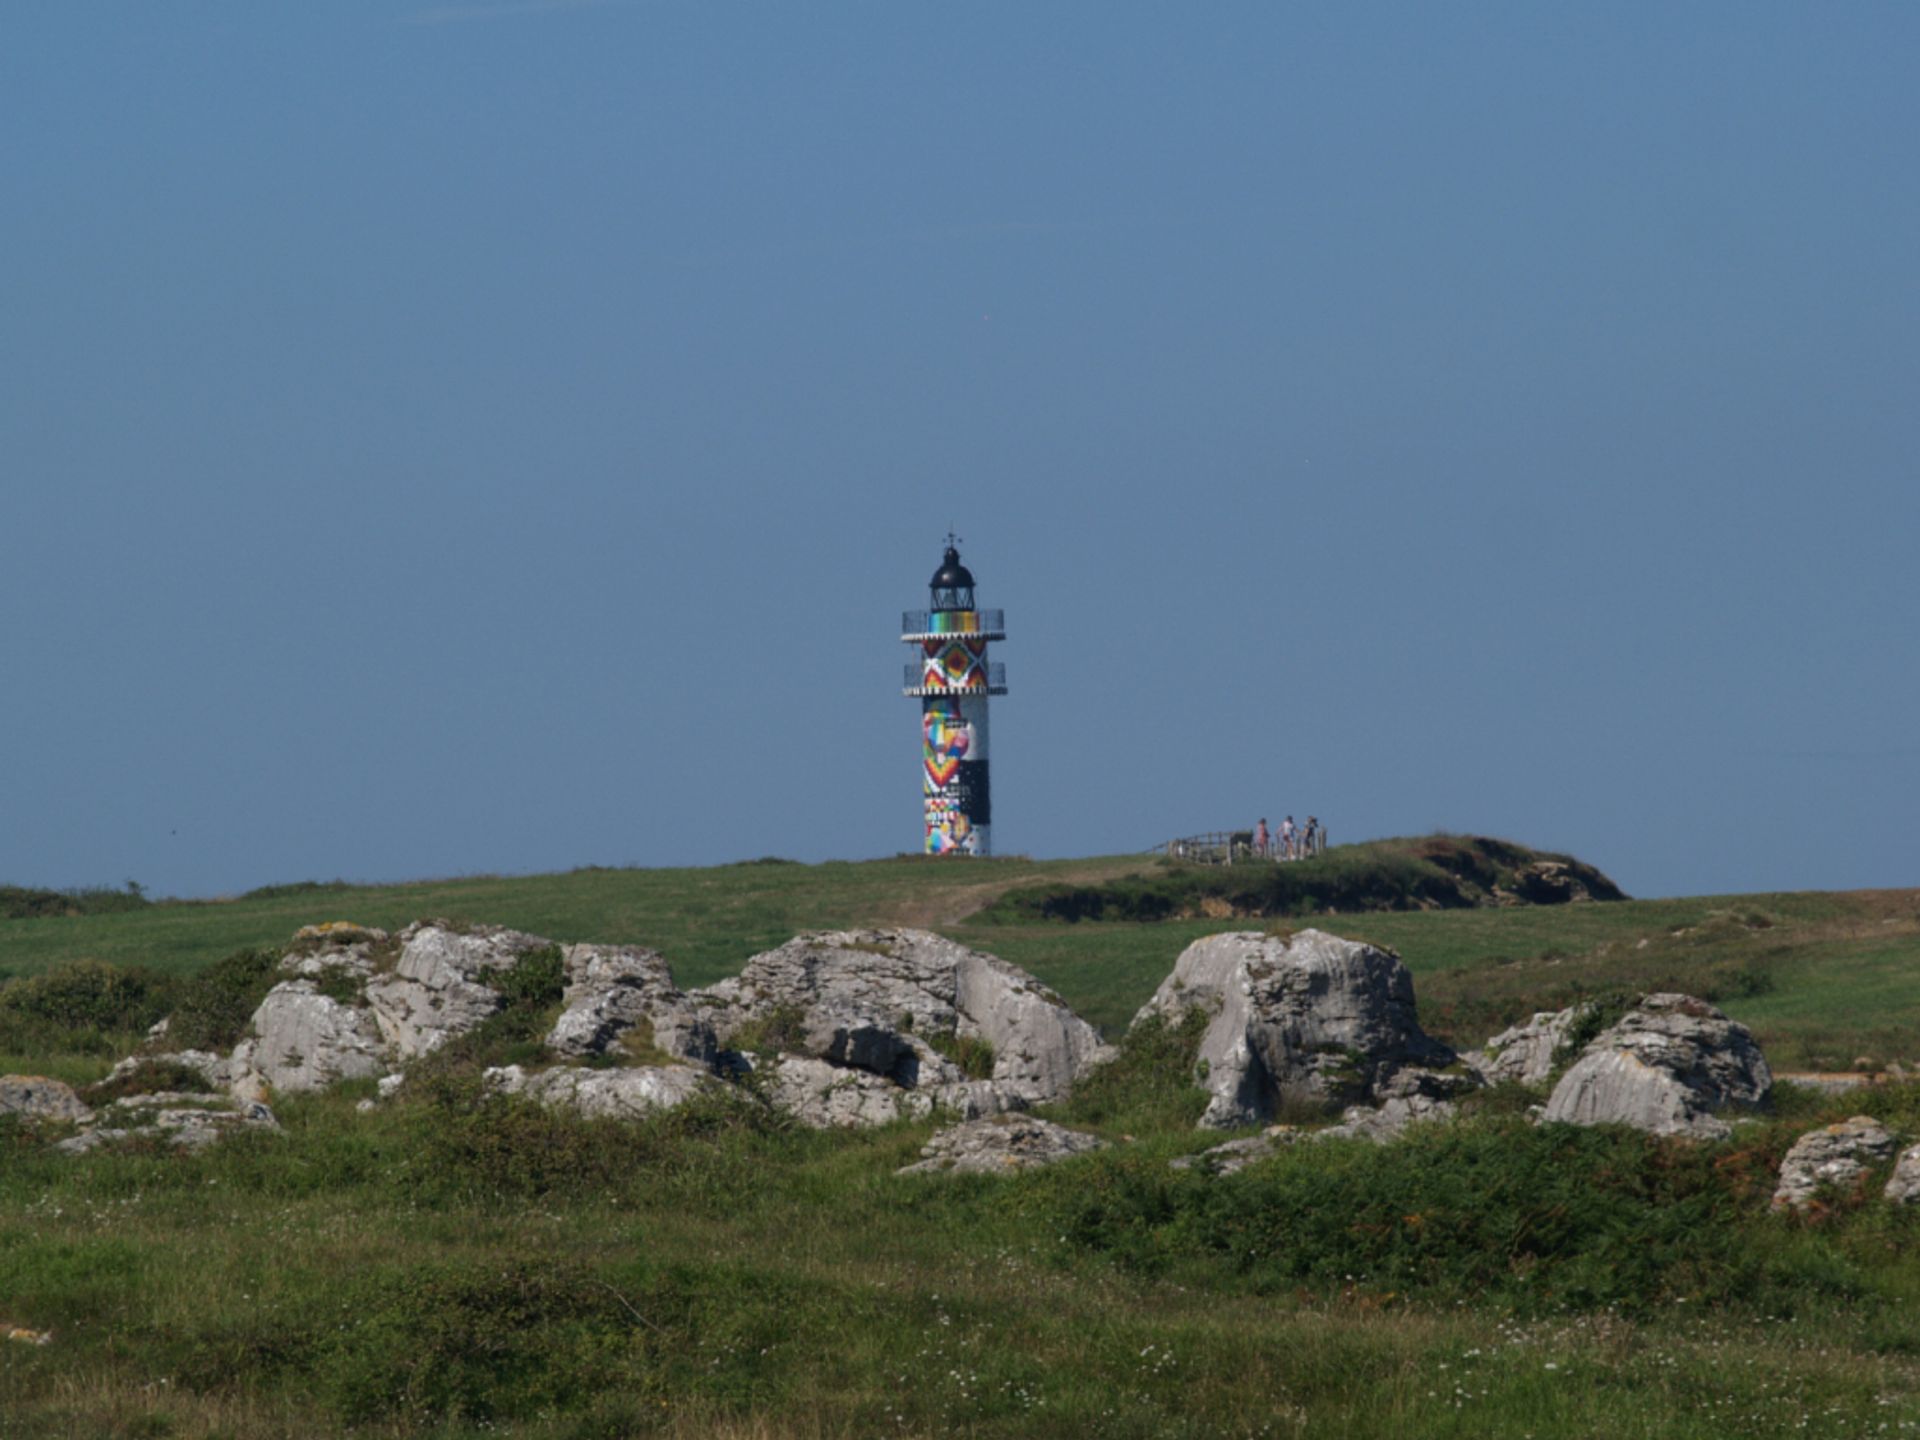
439	438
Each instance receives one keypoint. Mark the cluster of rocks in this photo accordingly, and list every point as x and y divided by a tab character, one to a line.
865	1027
1668	1065
845	1028
186	1119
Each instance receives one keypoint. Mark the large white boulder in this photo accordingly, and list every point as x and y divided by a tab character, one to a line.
438	988
1836	1156
1665	1067
305	1040
863	1017
1308	1019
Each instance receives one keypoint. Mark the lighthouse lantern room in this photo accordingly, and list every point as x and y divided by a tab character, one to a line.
952	679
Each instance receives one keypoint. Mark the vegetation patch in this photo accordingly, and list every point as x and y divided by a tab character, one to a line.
775	1032
212	1007
1436	872
972	1053
149	1077
82	1007
19	902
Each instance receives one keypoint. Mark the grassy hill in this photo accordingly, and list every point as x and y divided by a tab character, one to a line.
454	1265
1822	977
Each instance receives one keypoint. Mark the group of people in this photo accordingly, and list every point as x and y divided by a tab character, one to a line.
1288	843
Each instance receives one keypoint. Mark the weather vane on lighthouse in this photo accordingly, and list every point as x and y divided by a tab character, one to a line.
952	680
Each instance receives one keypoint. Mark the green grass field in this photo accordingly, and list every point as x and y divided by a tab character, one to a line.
451	1266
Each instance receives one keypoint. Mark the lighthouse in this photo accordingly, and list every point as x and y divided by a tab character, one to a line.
952	680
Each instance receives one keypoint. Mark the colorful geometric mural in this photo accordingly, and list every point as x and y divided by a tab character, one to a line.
953	622
954	778
946	741
954	664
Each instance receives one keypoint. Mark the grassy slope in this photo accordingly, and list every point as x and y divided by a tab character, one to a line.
1822	977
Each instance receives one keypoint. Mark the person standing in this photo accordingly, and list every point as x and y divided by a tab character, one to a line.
1286	838
1309	845
1261	839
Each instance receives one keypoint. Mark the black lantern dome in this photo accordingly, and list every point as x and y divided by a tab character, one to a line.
952	583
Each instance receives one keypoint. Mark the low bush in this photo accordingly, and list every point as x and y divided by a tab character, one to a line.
213	1006
1149	1085
1538	1218
83	1007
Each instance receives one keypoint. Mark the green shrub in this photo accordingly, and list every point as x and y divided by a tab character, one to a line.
214	1006
1554	1217
1149	1085
82	1007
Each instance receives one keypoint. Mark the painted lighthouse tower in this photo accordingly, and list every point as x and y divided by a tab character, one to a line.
952	680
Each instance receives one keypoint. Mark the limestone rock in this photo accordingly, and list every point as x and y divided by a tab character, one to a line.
438	987
1235	1155
188	1122
1836	1155
1665	1067
1388	1120
304	1040
1310	1019
615	992
1903	1188
1000	1143
38	1098
626	1094
862	1008
847	1037
825	1096
346	949
1523	1054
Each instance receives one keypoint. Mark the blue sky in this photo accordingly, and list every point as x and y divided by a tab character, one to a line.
501	437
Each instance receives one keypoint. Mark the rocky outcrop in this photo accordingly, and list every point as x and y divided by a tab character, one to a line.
184	1121
305	1040
622	999
1309	1019
35	1097
1523	1054
859	1019
1665	1067
1835	1156
438	988
624	1094
998	1144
